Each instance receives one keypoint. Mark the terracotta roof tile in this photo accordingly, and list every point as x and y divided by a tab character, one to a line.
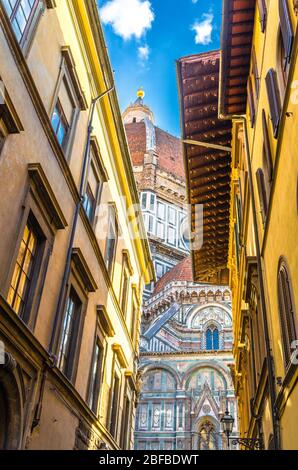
181	272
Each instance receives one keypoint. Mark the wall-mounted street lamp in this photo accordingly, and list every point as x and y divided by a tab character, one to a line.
227	422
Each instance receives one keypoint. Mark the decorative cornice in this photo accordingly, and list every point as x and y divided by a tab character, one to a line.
83	270
71	66
131	379
126	258
184	292
117	348
95	146
104	320
46	194
8	113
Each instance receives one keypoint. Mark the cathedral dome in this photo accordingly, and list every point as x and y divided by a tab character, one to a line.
181	272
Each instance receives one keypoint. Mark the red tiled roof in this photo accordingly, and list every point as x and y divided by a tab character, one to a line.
168	148
181	272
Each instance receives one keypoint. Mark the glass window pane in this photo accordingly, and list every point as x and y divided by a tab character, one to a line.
151	222
8	6
161	211
22	284
61	134
152	202
55	119
21	253
32	243
160	230
172	236
144	200
17	30
15	276
25	6
172	216
23	271
21	19
159	268
17	306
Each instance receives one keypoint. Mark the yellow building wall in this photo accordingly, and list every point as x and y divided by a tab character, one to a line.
279	237
68	24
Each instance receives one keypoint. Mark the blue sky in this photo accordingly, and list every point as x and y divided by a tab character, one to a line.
145	37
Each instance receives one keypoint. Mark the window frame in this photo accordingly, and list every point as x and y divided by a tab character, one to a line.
95	389
114	407
75	284
68	75
286	322
32	23
135	315
212	328
95	163
68	367
32	205
126	419
111	264
125	283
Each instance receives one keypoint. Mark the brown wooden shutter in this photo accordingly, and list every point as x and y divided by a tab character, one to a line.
251	102
263	14
255	72
274	100
262	193
267	147
286	29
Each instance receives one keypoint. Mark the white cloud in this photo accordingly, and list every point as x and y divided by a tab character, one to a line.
203	29
143	52
128	18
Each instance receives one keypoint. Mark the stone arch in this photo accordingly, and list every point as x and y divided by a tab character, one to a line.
11	405
213	441
162	367
221	369
211	322
198	308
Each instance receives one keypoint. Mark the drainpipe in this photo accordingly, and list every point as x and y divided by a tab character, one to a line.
38	408
65	278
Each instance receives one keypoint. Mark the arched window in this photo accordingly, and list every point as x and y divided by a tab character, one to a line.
207	437
212	339
215	339
286	312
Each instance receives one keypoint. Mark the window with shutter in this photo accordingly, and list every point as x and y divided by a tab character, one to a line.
262	194
286	311
263	14
267	149
251	102
274	100
286	29
255	72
